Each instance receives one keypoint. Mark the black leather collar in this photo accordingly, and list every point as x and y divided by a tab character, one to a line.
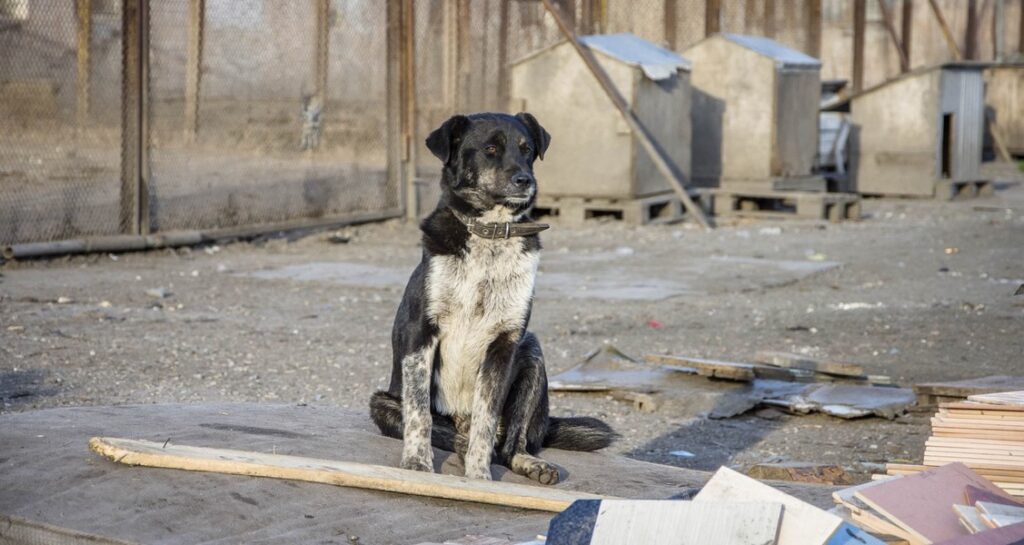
499	230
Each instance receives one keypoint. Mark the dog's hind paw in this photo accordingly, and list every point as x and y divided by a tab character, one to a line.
417	463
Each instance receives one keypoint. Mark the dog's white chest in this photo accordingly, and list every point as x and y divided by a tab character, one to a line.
473	299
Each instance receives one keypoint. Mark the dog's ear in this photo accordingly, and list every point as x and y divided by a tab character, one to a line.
541	138
446	139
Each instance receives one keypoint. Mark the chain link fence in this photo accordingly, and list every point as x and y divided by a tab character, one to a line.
261	113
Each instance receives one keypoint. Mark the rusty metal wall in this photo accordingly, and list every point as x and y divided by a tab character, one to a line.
60	107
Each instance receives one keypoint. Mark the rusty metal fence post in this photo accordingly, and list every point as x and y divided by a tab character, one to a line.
134	208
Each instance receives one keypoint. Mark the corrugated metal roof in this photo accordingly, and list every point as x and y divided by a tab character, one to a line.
770	48
657	63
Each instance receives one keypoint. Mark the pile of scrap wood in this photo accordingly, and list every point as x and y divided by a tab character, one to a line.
731	509
949	505
986	433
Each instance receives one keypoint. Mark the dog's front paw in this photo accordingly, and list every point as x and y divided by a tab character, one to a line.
482	472
417	462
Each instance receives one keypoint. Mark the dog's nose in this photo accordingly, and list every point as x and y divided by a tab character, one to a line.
522	179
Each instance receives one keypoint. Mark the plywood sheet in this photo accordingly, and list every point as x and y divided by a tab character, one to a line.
802	523
686	523
922	503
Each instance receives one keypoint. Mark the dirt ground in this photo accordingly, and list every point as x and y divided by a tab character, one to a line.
918	290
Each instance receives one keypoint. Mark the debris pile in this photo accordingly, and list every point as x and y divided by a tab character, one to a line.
986	433
945	505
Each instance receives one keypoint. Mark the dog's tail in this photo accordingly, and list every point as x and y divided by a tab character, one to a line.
579	433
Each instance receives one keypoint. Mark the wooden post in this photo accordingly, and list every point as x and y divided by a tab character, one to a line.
323	39
503	80
769	18
409	99
397	193
998	29
82	83
947	33
193	67
971	32
891	28
671	17
859	20
134	217
712	17
812	34
906	29
639	131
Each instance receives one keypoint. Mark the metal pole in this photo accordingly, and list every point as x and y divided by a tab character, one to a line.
859	20
639	131
83	83
193	67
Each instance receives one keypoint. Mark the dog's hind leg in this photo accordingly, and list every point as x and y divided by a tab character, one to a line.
386	412
525	415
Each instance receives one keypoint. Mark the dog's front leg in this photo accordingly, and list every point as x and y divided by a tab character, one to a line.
416	419
488	399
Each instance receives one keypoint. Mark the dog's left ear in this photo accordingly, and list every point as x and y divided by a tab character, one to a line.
446	139
541	138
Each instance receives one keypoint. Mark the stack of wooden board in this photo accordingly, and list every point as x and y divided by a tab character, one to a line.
986	433
929	507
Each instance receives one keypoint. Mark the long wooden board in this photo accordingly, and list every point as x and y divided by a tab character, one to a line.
802	523
796	361
373	477
1015	399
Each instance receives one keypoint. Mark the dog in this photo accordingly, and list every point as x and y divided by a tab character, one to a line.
468	377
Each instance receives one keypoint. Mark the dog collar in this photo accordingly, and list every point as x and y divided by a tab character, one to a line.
500	229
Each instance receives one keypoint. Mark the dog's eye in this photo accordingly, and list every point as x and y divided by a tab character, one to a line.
491	150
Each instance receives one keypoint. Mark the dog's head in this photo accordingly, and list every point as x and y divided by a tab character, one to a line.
488	160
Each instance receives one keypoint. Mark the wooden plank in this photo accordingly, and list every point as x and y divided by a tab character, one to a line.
981	408
656	522
1006	513
954	49
890	26
921	503
859	23
906	29
802	523
743	372
1015	399
796	361
339	473
193	67
969	518
712	17
964	388
974	494
639	131
1011	535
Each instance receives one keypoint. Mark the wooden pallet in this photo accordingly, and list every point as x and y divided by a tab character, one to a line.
782	204
947	190
664	208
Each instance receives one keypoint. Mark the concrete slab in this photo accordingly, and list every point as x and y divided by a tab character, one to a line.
47	474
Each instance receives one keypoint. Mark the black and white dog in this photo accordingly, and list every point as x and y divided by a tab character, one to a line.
468	377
